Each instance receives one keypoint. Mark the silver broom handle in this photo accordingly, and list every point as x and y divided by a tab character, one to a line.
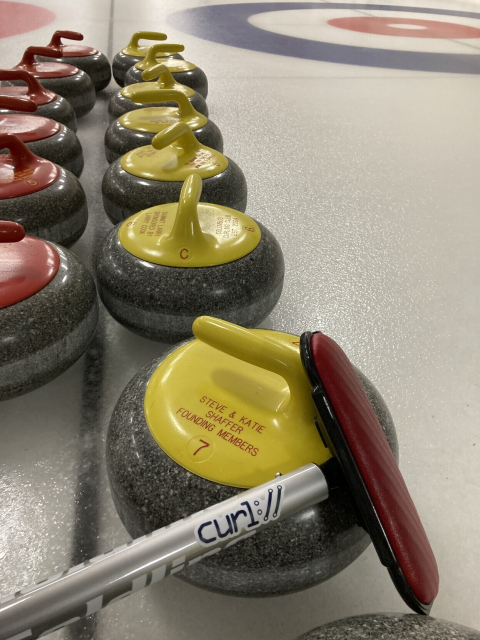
88	587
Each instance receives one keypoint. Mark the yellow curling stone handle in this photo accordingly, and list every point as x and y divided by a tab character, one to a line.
165	81
157	54
158	51
134	49
175	153
235	405
155	119
189	234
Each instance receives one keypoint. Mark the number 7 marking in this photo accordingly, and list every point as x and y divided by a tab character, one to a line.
205	444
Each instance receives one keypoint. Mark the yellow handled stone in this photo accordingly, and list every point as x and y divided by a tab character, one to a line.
185	108
188	234
226	420
158	50
133	48
181	136
258	350
186	239
163	74
174	154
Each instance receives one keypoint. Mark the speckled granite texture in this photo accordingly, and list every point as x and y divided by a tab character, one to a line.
119	104
119	140
124	194
122	63
96	66
58	213
195	79
150	491
46	333
59	110
78	90
63	148
391	626
161	302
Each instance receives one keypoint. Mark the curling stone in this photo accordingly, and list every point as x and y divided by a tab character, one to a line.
167	265
153	175
182	71
94	63
197	426
44	137
48	310
137	96
46	199
49	104
68	81
138	128
135	52
391	626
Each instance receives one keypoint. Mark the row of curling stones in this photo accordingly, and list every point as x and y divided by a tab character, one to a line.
49	104
135	52
137	96
48	310
94	63
68	81
182	71
153	175
165	266
391	626
218	414
137	128
46	199
44	137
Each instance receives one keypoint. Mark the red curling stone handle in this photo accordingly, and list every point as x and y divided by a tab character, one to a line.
17	103
11	232
34	88
31	52
56	40
21	155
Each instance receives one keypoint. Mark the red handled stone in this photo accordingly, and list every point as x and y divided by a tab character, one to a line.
17	103
56	40
21	171
69	50
384	503
27	264
27	128
11	231
45	69
33	90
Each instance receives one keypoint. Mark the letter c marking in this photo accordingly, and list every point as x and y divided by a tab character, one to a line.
200	535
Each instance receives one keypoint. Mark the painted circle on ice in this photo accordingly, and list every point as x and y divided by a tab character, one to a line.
229	24
20	18
406	27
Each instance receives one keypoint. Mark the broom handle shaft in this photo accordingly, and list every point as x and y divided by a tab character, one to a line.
88	587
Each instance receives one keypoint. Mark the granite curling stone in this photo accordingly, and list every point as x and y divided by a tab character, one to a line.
142	94
182	71
138	128
44	137
68	81
49	318
46	199
94	63
165	266
197	426
49	104
391	626
153	175
135	52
